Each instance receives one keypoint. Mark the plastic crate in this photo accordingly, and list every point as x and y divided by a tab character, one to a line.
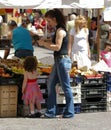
108	107
109	97
60	109
42	80
8	81
8	101
61	99
77	79
94	107
94	92
93	80
75	89
108	87
108	77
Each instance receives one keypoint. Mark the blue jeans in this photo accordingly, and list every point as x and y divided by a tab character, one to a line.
60	73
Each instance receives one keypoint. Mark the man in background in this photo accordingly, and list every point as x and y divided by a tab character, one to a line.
70	24
21	39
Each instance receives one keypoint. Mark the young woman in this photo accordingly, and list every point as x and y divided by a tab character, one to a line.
62	65
78	46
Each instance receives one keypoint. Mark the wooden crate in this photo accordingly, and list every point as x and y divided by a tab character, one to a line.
8	100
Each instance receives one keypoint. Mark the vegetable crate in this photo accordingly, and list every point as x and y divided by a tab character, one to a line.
8	100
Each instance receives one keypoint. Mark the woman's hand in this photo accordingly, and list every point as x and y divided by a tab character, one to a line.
41	42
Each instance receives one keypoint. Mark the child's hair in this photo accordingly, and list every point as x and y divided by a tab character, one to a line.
30	63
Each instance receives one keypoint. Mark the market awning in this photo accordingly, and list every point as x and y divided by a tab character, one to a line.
83	4
39	4
107	3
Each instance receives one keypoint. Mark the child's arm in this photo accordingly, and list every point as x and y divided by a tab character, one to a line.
24	82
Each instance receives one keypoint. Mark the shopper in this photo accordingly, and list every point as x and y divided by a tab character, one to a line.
78	47
106	53
70	24
31	92
104	34
61	67
21	40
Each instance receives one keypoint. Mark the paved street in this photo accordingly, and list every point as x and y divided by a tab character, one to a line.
89	121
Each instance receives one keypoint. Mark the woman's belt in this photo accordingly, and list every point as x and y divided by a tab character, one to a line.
24	50
61	56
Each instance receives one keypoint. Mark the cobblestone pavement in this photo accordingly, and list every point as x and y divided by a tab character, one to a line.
89	121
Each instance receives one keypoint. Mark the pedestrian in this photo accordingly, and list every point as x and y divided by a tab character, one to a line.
70	24
21	40
61	67
78	47
106	53
104	34
32	95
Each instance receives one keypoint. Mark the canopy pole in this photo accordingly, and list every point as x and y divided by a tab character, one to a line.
98	35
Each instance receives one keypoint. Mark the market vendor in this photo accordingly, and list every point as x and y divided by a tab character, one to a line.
21	40
106	53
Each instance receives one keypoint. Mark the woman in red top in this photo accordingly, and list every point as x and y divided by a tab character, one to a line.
39	21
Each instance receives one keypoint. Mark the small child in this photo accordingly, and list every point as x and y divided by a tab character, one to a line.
106	53
32	95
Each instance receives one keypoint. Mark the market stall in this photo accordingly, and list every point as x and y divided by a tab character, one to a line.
88	86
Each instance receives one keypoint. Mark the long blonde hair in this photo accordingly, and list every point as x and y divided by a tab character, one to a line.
80	22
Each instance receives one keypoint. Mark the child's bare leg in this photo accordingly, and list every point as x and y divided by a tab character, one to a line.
31	105
38	106
38	110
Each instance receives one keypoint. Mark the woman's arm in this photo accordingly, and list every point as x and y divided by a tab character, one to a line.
60	34
70	43
88	47
24	82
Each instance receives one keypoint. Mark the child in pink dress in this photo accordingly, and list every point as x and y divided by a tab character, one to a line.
106	53
32	95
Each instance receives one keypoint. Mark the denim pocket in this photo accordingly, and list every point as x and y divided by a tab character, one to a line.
67	63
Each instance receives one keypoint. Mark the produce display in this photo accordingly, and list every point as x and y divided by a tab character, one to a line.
16	66
13	65
87	73
3	73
